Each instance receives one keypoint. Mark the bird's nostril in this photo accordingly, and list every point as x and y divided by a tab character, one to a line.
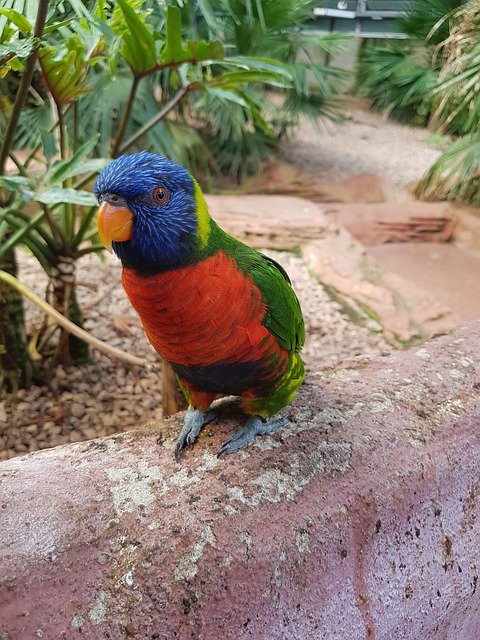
114	199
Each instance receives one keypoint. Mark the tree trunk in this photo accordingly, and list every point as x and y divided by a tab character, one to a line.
173	399
15	365
62	296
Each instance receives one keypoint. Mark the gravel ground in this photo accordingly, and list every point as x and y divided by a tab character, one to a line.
365	143
109	396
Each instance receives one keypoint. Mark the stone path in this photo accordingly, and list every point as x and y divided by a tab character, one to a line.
397	155
449	274
365	143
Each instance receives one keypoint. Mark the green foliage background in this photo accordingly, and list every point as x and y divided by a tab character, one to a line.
399	76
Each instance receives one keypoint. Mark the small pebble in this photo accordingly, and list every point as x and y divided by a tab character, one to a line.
78	410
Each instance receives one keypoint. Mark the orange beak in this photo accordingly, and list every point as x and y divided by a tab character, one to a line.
114	224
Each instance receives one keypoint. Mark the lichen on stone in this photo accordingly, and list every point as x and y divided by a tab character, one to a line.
132	488
98	611
187	566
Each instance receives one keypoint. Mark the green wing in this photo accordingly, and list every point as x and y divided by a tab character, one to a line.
283	317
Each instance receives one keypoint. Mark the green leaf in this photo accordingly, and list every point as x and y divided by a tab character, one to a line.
17	49
398	82
33	121
234	79
258	63
85	228
209	15
20	233
174	52
57	25
19	216
57	195
201	50
49	144
2	349
107	32
18	184
39	249
18	19
454	175
94	165
231	96
3	229
261	17
65	69
138	42
64	169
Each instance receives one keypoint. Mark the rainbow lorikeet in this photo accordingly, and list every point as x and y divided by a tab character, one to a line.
222	314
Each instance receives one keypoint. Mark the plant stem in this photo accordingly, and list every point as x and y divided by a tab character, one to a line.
17	163
31	155
68	208
15	238
24	86
19	213
94	248
62	131
69	326
125	117
156	119
75	125
55	228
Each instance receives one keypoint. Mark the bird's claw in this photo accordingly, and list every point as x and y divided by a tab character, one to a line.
253	427
193	423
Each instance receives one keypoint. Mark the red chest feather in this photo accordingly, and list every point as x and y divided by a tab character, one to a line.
205	313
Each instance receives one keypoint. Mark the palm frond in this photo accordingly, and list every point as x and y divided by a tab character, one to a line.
428	20
456	173
35	127
458	90
100	109
399	80
183	143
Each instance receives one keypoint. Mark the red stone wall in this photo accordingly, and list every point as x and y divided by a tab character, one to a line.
357	520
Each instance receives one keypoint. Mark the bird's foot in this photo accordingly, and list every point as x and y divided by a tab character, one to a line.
254	426
193	423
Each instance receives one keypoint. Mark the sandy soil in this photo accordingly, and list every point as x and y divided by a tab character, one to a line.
365	143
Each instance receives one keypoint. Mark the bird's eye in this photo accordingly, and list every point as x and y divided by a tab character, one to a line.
160	195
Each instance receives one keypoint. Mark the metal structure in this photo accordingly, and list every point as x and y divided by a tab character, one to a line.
364	18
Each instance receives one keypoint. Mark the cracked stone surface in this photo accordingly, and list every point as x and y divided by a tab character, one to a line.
359	519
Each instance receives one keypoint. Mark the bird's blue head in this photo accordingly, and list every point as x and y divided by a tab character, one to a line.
152	212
